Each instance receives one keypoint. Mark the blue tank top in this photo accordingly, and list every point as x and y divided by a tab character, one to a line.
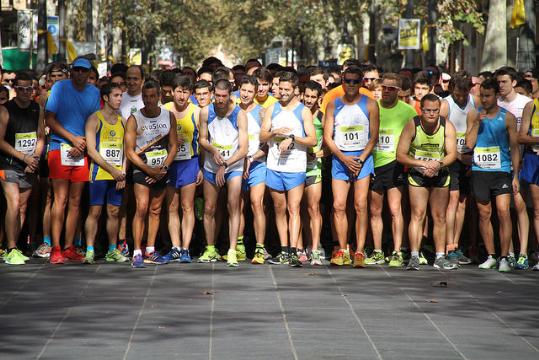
492	151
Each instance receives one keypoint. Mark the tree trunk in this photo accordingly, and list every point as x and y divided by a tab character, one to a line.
42	55
61	30
495	49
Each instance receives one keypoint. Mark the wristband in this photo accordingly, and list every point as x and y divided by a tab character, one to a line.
225	165
292	136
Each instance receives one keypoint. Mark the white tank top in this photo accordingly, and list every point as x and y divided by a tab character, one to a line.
223	135
253	124
149	129
515	107
294	159
457	116
351	127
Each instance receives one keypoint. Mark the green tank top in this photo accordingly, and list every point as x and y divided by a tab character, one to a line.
428	147
315	164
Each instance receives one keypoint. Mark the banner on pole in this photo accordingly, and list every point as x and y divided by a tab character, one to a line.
27	30
409	34
52	34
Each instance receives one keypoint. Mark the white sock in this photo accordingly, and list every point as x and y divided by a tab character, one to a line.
414	253
440	255
176	247
137	252
150	249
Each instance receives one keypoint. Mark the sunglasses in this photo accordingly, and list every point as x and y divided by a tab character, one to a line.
390	88
352	81
24	88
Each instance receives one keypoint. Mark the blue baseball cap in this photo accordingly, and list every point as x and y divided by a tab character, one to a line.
82	62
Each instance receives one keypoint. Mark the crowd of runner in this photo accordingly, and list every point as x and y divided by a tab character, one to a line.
132	155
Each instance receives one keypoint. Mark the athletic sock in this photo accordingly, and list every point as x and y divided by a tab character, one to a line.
150	250
240	239
414	253
89	248
47	240
137	252
440	255
512	254
112	247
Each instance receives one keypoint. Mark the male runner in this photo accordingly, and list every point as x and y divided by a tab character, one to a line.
492	134
388	173
288	129
223	135
422	86
203	93
351	132
132	99
105	146
22	138
427	146
71	102
264	78
150	145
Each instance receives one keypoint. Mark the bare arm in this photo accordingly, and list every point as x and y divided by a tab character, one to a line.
511	125
265	130
403	148
6	147
450	144
172	141
374	128
473	121
523	136
444	108
130	141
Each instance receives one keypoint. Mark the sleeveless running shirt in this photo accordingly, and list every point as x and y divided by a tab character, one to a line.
316	162
21	133
491	151
186	129
254	122
428	146
110	145
293	160
150	129
457	116
351	127
224	135
534	126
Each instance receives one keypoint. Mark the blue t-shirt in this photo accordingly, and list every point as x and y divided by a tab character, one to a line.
71	107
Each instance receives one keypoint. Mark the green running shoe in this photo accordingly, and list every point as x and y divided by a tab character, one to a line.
240	251
522	263
281	259
258	258
115	256
396	259
232	259
209	255
422	259
376	258
14	257
90	257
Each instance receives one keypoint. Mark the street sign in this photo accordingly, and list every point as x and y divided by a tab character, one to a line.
409	34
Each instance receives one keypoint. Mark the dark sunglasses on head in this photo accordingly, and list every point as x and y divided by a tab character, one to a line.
352	81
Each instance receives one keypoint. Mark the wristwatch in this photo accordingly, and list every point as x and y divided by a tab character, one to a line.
292	136
361	162
166	167
225	164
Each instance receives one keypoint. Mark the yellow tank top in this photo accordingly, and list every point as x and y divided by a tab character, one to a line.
110	145
270	100
187	130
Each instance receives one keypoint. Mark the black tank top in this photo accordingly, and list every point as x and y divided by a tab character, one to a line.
24	122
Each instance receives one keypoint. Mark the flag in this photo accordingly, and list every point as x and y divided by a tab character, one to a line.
425	39
71	51
518	17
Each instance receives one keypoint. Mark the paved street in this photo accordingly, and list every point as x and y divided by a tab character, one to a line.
203	311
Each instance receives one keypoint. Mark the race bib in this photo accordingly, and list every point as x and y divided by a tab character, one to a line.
288	150
111	153
487	157
26	142
386	140
226	151
426	156
68	160
461	143
156	158
351	137
254	143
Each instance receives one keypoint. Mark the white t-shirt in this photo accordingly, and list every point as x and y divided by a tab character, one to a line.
515	107
130	104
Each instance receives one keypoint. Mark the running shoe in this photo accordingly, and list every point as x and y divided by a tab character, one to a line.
338	258
14	257
413	263
2	253
209	255
359	259
155	258
511	260
123	247
172	256
396	259
294	260
302	256
240	251
489	263
347	260
72	254
445	264
258	258
463	259
422	259
316	258
453	257
138	262
185	257
232	258
376	258
56	256
281	259
90	257
522	263
536	267
267	255
116	256
43	251
505	265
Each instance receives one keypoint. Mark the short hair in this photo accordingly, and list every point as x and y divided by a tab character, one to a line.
353	70
289	76
204	69
119	68
223	84
166	78
430	97
368	67
526	85
491	83
263	73
486	74
461	80
222	73
201	84
274	68
351	62
151	84
4	89
58	66
406	82
534	72
506	70
122	75
22	76
94	70
238	67
140	69
107	88
183	81
393	77
249	80
314	86
317	70
212	61
420	78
